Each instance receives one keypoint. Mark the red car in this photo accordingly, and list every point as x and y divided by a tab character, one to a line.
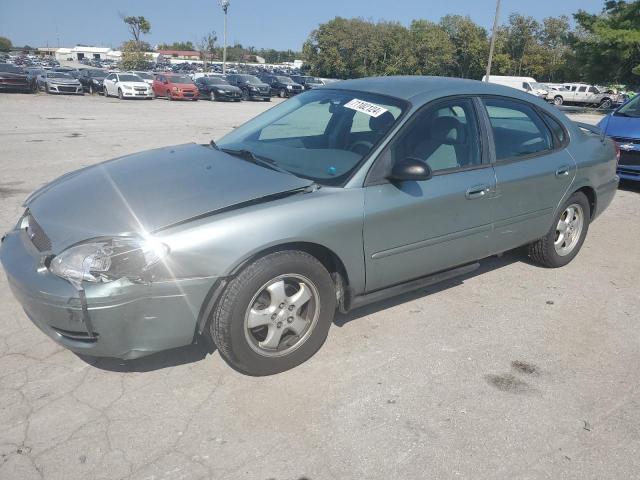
175	87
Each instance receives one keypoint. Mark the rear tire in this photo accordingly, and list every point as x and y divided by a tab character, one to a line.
295	331
566	236
212	96
606	104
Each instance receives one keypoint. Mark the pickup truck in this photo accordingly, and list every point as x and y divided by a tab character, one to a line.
582	94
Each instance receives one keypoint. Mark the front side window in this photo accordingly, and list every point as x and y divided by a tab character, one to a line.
582	89
517	129
322	135
444	136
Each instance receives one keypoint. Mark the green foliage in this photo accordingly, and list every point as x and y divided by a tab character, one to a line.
603	48
5	44
134	56
609	44
137	26
177	46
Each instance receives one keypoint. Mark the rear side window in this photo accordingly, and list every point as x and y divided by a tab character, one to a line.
556	128
518	131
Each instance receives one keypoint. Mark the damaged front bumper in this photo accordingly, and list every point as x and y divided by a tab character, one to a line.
122	319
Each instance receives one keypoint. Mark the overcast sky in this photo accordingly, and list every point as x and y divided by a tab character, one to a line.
280	24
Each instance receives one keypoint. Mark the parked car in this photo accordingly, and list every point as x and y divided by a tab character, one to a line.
584	95
32	77
59	82
146	76
251	86
623	125
328	201
282	86
92	80
217	88
126	85
175	87
13	78
526	84
307	82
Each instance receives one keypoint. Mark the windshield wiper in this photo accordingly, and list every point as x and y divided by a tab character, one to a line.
249	156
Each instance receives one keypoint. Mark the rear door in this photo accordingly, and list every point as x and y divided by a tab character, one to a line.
532	167
412	229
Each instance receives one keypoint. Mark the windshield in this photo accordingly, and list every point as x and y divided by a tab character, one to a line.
216	81
179	79
322	135
6	67
146	76
630	109
313	80
97	73
538	86
129	78
284	80
249	79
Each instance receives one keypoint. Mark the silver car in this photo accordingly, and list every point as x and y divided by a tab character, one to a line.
59	82
341	196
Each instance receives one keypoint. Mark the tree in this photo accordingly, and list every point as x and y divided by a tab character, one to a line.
177	46
554	38
471	44
133	58
5	44
521	44
137	26
433	49
207	47
608	44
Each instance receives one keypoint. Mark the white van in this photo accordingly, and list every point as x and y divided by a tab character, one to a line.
526	84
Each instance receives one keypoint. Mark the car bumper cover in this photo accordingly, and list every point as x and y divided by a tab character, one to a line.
127	320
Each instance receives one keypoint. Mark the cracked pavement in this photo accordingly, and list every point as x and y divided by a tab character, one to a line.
512	372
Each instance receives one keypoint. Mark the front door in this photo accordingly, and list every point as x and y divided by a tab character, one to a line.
412	229
533	171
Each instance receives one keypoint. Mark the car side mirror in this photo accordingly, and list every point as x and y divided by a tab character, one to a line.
410	169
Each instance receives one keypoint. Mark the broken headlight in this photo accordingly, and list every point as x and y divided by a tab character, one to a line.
107	260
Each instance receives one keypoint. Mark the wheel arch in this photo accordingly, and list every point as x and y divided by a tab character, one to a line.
327	257
590	193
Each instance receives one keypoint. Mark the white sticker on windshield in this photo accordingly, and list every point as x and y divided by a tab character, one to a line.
370	109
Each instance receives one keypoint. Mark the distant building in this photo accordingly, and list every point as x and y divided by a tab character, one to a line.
180	54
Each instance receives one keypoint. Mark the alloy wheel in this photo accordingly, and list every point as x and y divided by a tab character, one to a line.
569	229
282	315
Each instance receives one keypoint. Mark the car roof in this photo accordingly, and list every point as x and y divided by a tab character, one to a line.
410	86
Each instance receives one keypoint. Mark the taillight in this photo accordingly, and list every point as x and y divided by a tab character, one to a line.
617	152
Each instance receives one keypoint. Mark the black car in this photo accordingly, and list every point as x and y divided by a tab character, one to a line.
252	87
217	88
91	80
282	86
13	78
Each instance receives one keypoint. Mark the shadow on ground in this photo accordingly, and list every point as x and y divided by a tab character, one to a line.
486	265
196	352
157	361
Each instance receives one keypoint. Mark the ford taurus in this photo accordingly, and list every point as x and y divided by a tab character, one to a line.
341	196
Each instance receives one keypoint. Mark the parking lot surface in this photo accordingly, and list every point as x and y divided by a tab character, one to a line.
514	372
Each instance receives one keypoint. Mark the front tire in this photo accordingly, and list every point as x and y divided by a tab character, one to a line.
566	236
606	104
212	96
120	96
558	100
275	314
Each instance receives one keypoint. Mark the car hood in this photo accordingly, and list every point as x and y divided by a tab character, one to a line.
151	190
618	126
226	88
133	84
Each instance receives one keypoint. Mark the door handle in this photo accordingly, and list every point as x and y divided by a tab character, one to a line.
563	171
477	191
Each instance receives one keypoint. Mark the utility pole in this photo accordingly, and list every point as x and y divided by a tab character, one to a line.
493	40
225	7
